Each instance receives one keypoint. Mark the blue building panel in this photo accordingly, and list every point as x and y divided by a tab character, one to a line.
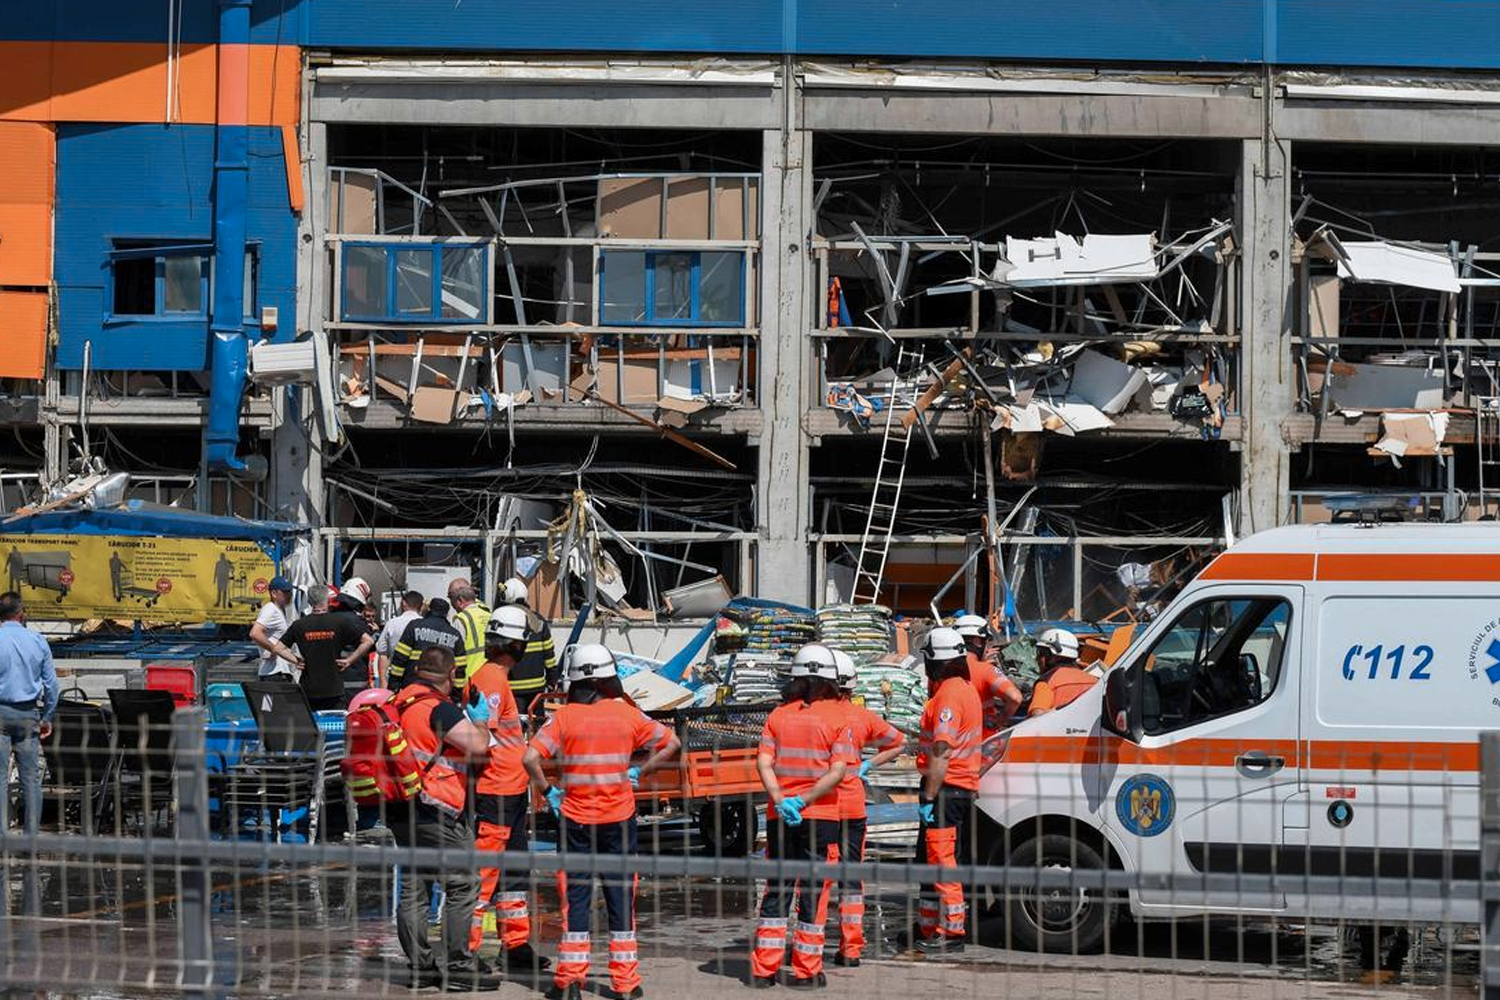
1190	31
196	21
586	25
154	183
1454	34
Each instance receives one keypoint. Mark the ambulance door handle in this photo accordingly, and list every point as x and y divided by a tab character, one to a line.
1256	764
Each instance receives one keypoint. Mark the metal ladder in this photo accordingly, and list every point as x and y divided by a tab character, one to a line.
885	498
1487	441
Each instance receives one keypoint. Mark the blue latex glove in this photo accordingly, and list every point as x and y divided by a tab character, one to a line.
634	774
555	800
864	768
478	711
790	810
926	812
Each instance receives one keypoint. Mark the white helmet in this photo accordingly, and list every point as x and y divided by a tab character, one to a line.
847	672
514	591
590	661
357	588
1059	642
508	623
971	626
943	643
816	660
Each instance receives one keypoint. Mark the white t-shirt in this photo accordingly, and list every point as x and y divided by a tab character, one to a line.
273	620
391	634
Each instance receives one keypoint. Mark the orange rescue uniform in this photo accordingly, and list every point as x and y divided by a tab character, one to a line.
1058	687
998	695
866	729
501	808
953	716
804	741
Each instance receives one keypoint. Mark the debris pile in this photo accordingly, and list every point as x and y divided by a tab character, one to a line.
894	689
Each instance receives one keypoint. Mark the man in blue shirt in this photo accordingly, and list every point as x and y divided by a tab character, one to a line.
28	698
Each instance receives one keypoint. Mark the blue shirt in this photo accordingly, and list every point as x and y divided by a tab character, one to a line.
26	671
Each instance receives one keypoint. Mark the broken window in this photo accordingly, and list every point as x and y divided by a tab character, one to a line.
414	283
159	279
672	288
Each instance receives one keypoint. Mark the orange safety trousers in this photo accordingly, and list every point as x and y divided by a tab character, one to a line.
810	839
940	907
606	842
851	848
503	823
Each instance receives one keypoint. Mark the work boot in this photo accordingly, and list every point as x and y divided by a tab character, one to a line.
469	979
762	982
808	983
939	946
634	994
572	991
845	961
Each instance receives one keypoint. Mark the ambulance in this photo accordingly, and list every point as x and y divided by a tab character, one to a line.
1310	705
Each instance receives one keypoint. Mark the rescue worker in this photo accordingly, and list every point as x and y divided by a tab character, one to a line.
999	698
470	616
537	671
501	803
804	755
948	758
592	739
445	742
866	731
432	629
1061	680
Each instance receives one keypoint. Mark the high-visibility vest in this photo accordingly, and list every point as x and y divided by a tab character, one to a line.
471	623
953	716
503	774
592	744
866	729
803	741
1059	687
443	769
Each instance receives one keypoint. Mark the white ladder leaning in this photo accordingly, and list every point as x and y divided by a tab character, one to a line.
885	498
1487	440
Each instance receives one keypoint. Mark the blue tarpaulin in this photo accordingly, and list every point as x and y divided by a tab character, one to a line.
136	517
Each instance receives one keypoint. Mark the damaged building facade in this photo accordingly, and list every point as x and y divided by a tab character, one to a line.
807	301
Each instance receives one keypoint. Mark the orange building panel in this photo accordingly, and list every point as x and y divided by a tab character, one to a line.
23	334
27	175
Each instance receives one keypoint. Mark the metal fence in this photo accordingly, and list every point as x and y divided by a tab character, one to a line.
170	894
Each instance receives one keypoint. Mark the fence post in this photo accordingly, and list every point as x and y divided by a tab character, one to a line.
189	751
1489	870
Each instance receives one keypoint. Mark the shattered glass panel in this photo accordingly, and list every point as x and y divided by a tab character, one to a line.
721	288
364	282
673	298
182	290
463	283
414	283
624	295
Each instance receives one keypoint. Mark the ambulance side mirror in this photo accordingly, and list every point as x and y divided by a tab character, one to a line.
1117	705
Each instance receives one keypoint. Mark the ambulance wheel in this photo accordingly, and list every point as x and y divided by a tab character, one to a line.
1052	919
729	828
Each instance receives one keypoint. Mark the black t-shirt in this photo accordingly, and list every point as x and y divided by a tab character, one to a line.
321	639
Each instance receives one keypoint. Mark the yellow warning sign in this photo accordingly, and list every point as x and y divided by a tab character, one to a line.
76	577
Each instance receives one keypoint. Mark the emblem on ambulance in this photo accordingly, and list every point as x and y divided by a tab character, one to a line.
1484	658
1145	805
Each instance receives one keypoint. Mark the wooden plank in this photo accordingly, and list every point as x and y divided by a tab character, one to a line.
669	434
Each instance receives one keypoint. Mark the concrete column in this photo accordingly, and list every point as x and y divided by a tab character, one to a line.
783	557
1266	390
297	439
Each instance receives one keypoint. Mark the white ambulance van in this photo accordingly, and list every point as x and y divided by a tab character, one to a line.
1309	705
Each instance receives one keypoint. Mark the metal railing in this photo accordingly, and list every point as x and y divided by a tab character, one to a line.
203	906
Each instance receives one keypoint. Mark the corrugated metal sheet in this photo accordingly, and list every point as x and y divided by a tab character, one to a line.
1458	34
271	21
23	331
1432	33
26	178
153	182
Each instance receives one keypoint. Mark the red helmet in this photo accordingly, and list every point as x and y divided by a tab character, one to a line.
369	696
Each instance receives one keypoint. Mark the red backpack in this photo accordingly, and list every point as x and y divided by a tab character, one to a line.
378	764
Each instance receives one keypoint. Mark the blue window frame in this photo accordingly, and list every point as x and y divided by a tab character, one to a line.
698	288
415	283
171	281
